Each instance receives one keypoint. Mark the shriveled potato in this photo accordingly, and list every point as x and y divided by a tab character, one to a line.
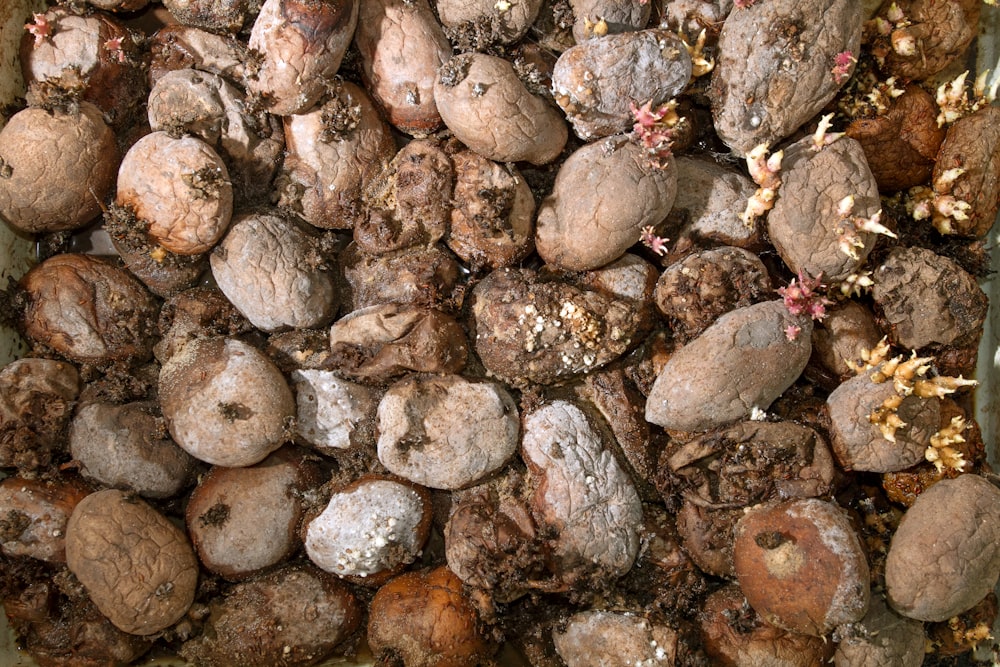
446	432
604	194
934	35
598	82
295	616
216	15
596	18
927	299
33	516
482	23
88	310
882	638
847	330
807	225
773	69
180	187
127	447
492	217
333	414
944	557
743	361
196	313
137	566
178	46
370	529
55	168
37	397
301	43
419	275
402	46
801	565
243	520
580	493
528	329
486	106
378	343
606	637
272	270
224	402
335	151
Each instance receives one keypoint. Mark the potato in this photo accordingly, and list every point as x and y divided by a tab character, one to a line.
742	362
88	310
773	68
617	16
181	188
806	225
481	23
598	82
402	46
335	151
196	313
486	106
55	168
418	275
216	15
882	638
127	447
177	46
606	637
37	397
244	520
137	566
333	414
847	330
295	616
272	270
301	44
604	194
446	432
943	558
937	34
224	402
33	516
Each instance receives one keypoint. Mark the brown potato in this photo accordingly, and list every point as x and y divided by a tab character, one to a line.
618	16
848	329
606	637
224	402
301	44
33	516
55	168
604	194
419	275
216	15
482	23
137	566
937	34
402	46
178	46
37	397
486	106
882	638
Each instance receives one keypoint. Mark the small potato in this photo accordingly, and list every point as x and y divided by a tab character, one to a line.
127	447
33	516
178	46
402	46
216	15
604	194
224	402
370	529
37	397
743	361
419	275
137	566
486	106
295	617
598	82
446	432
196	313
427	620
301	44
606	638
272	271
772	73
335	151
801	565
935	34
55	168
333	414
243	520
883	638
597	18
88	310
944	557
848	329
181	187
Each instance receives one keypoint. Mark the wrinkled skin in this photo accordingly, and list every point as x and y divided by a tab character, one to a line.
604	194
423	276
216	15
773	69
620	16
177	46
941	31
973	144
486	106
885	638
37	397
604	637
482	18
137	566
943	558
33	516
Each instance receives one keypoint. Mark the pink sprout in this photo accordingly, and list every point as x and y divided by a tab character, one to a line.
805	298
743	4
655	243
792	331
114	45
653	133
842	65
40	29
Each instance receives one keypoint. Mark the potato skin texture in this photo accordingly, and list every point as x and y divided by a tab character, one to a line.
604	194
944	557
57	168
137	566
487	107
973	144
773	69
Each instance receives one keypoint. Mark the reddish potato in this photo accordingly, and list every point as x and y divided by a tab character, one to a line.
177	46
604	195
402	46
55	168
483	102
137	566
301	43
